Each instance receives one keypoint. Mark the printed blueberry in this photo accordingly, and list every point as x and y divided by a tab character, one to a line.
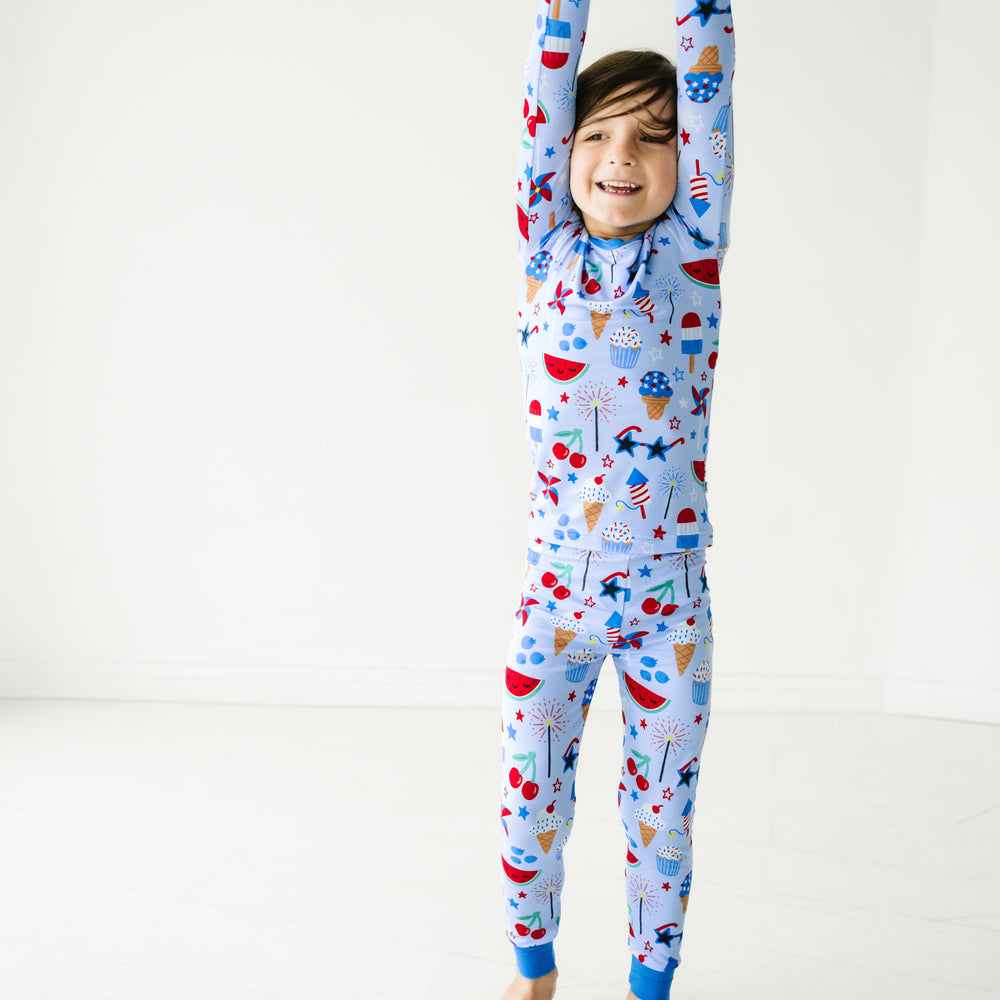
662	677
558	533
527	642
645	675
648	661
563	345
520	659
579	343
573	534
564	520
537	658
568	329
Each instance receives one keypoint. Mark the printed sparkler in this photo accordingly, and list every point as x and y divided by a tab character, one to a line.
668	734
596	399
544	718
673	478
546	890
642	891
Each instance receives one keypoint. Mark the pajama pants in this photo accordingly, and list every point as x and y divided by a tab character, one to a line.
652	614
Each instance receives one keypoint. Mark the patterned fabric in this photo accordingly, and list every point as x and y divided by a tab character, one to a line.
618	342
653	615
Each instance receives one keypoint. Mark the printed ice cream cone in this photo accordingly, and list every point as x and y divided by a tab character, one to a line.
533	285
648	833
654	407
545	839
594	497
593	512
708	61
684	902
683	651
600	320
563	638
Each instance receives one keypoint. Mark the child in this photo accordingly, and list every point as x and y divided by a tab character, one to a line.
623	195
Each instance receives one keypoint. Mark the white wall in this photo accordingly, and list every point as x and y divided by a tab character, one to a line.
252	369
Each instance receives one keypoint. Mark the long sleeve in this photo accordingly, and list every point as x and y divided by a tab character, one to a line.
705	62
543	196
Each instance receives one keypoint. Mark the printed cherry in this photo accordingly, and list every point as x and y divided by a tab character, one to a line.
530	790
632	769
650	606
560	451
561	593
521	929
515	777
669	609
641	783
578	460
538	932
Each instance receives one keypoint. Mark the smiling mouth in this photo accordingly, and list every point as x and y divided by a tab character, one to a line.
619	187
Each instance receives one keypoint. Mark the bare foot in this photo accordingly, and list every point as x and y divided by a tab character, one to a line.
532	989
631	996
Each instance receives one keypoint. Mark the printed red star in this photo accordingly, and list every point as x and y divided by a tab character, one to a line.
658	533
607	461
623	381
665	337
697	718
589	602
674	423
519	716
564	398
668	793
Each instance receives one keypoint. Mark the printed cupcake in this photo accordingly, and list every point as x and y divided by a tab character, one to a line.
650	822
685	640
537	271
700	681
668	859
617	537
565	632
594	497
703	80
655	392
588	697
600	313
577	664
546	825
625	347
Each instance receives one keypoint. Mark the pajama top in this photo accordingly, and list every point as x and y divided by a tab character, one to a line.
618	341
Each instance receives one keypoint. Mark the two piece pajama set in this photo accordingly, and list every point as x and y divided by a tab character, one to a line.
618	344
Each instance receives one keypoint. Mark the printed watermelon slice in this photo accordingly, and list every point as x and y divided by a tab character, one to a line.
698	469
521	686
643	697
631	860
703	272
516	875
563	369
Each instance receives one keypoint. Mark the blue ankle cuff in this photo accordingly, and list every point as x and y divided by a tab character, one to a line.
648	984
535	962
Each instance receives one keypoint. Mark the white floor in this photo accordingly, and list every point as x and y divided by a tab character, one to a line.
213	852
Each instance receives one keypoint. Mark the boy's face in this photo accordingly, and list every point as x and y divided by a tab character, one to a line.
611	147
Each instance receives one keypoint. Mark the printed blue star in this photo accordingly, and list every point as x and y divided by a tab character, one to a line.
704	516
664	241
513	902
531	90
626	443
686	775
634	732
551	605
657	449
678	375
525	333
549	151
572	477
635	795
705	10
553	413
713	321
611	589
644	570
522	813
663	935
569	760
511	732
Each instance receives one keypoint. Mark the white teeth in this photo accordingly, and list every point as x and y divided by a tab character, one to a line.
619	186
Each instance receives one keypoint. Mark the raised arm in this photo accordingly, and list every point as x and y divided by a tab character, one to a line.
549	111
705	61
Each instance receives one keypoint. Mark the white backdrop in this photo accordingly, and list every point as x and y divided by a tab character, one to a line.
260	423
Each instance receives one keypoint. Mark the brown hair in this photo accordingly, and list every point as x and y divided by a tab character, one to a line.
644	71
